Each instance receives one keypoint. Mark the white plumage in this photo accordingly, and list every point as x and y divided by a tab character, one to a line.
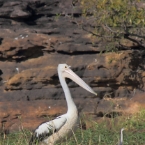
51	126
61	127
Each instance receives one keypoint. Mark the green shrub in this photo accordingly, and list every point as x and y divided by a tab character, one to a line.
114	20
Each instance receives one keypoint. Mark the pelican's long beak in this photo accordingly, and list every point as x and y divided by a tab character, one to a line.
70	74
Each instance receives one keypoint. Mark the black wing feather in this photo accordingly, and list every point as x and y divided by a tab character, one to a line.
35	140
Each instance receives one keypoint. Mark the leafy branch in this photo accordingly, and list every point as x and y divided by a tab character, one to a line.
115	19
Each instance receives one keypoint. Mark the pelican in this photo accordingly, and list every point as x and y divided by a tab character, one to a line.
121	137
54	131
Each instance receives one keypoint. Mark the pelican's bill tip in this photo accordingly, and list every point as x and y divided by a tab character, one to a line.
96	94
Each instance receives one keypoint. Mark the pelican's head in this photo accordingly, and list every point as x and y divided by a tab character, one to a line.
62	67
65	71
122	129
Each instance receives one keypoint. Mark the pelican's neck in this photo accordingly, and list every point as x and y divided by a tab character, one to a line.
70	103
121	138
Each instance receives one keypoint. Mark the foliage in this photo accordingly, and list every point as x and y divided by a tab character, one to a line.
116	19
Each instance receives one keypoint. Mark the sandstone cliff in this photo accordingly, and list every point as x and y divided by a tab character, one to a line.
37	35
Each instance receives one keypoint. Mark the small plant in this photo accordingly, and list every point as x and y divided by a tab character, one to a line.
57	16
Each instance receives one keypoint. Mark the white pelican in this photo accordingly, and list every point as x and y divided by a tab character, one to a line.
56	130
121	137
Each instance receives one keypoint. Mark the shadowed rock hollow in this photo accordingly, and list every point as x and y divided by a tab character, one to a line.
36	36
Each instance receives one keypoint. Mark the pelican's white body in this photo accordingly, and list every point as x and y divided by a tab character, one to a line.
66	130
63	126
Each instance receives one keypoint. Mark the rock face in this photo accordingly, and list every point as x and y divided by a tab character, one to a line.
36	36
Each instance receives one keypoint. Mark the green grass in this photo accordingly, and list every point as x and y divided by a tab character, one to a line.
18	138
107	132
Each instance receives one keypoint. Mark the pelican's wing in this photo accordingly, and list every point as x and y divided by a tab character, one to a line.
47	129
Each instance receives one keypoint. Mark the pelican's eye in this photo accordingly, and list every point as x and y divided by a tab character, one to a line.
65	66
